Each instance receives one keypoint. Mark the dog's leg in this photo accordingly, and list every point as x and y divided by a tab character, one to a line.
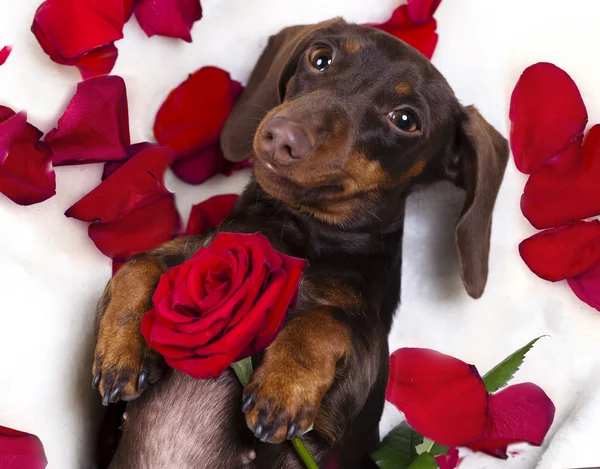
124	364
321	367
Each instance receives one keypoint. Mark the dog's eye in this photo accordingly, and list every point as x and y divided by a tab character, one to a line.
405	120
321	57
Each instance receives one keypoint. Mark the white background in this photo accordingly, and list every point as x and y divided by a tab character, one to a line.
51	275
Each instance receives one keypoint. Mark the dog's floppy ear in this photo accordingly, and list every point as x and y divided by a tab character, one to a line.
265	89
477	165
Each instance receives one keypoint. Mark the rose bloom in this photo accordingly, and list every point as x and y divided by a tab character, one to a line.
227	302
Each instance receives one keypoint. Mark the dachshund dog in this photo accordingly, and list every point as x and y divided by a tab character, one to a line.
342	122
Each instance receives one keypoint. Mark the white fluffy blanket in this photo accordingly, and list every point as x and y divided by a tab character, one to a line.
51	274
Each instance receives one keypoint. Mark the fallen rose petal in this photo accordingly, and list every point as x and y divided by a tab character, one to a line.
111	166
192	117
547	113
449	460
26	174
519	413
442	398
420	36
143	229
566	189
20	450
421	11
137	183
587	287
210	213
116	265
67	30
4	53
128	7
98	63
95	125
563	252
197	168
171	18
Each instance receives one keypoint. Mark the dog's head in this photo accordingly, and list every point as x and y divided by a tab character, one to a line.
342	119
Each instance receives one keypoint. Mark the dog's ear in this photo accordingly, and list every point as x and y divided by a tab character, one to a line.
477	164
266	88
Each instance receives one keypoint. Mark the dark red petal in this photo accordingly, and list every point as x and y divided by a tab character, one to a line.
192	116
519	413
20	450
200	166
27	177
95	125
116	265
141	230
449	460
210	213
111	166
421	37
98	63
128	6
171	18
26	174
547	114
137	183
4	53
421	11
70	28
566	188
587	287
563	252
442	398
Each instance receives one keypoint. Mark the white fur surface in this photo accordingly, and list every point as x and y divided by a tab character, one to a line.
51	274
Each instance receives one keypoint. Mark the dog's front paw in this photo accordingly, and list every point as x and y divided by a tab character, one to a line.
282	400
124	365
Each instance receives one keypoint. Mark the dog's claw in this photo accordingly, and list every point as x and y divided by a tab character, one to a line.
114	395
293	428
248	401
142	380
258	432
105	399
96	381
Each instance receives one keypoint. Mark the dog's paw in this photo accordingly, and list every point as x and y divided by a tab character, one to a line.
124	365
282	401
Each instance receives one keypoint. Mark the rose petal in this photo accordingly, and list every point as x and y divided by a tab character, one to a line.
547	114
4	53
98	63
587	287
137	183
420	36
171	18
143	229
20	450
449	460
442	398
128	7
69	29
203	165
26	174
95	125
421	11
519	413
210	213
193	115
111	166
565	190
563	252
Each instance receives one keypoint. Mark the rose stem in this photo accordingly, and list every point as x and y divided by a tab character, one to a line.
307	459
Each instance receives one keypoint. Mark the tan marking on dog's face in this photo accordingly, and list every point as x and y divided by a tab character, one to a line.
366	174
403	89
351	47
415	169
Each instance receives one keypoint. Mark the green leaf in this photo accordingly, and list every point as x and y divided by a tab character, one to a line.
243	370
502	373
431	447
397	450
424	461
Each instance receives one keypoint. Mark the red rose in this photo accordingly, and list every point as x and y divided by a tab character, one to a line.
227	302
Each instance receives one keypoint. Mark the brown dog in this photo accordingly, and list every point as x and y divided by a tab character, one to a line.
350	120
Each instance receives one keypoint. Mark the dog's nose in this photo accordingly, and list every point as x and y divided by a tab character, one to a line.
285	141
